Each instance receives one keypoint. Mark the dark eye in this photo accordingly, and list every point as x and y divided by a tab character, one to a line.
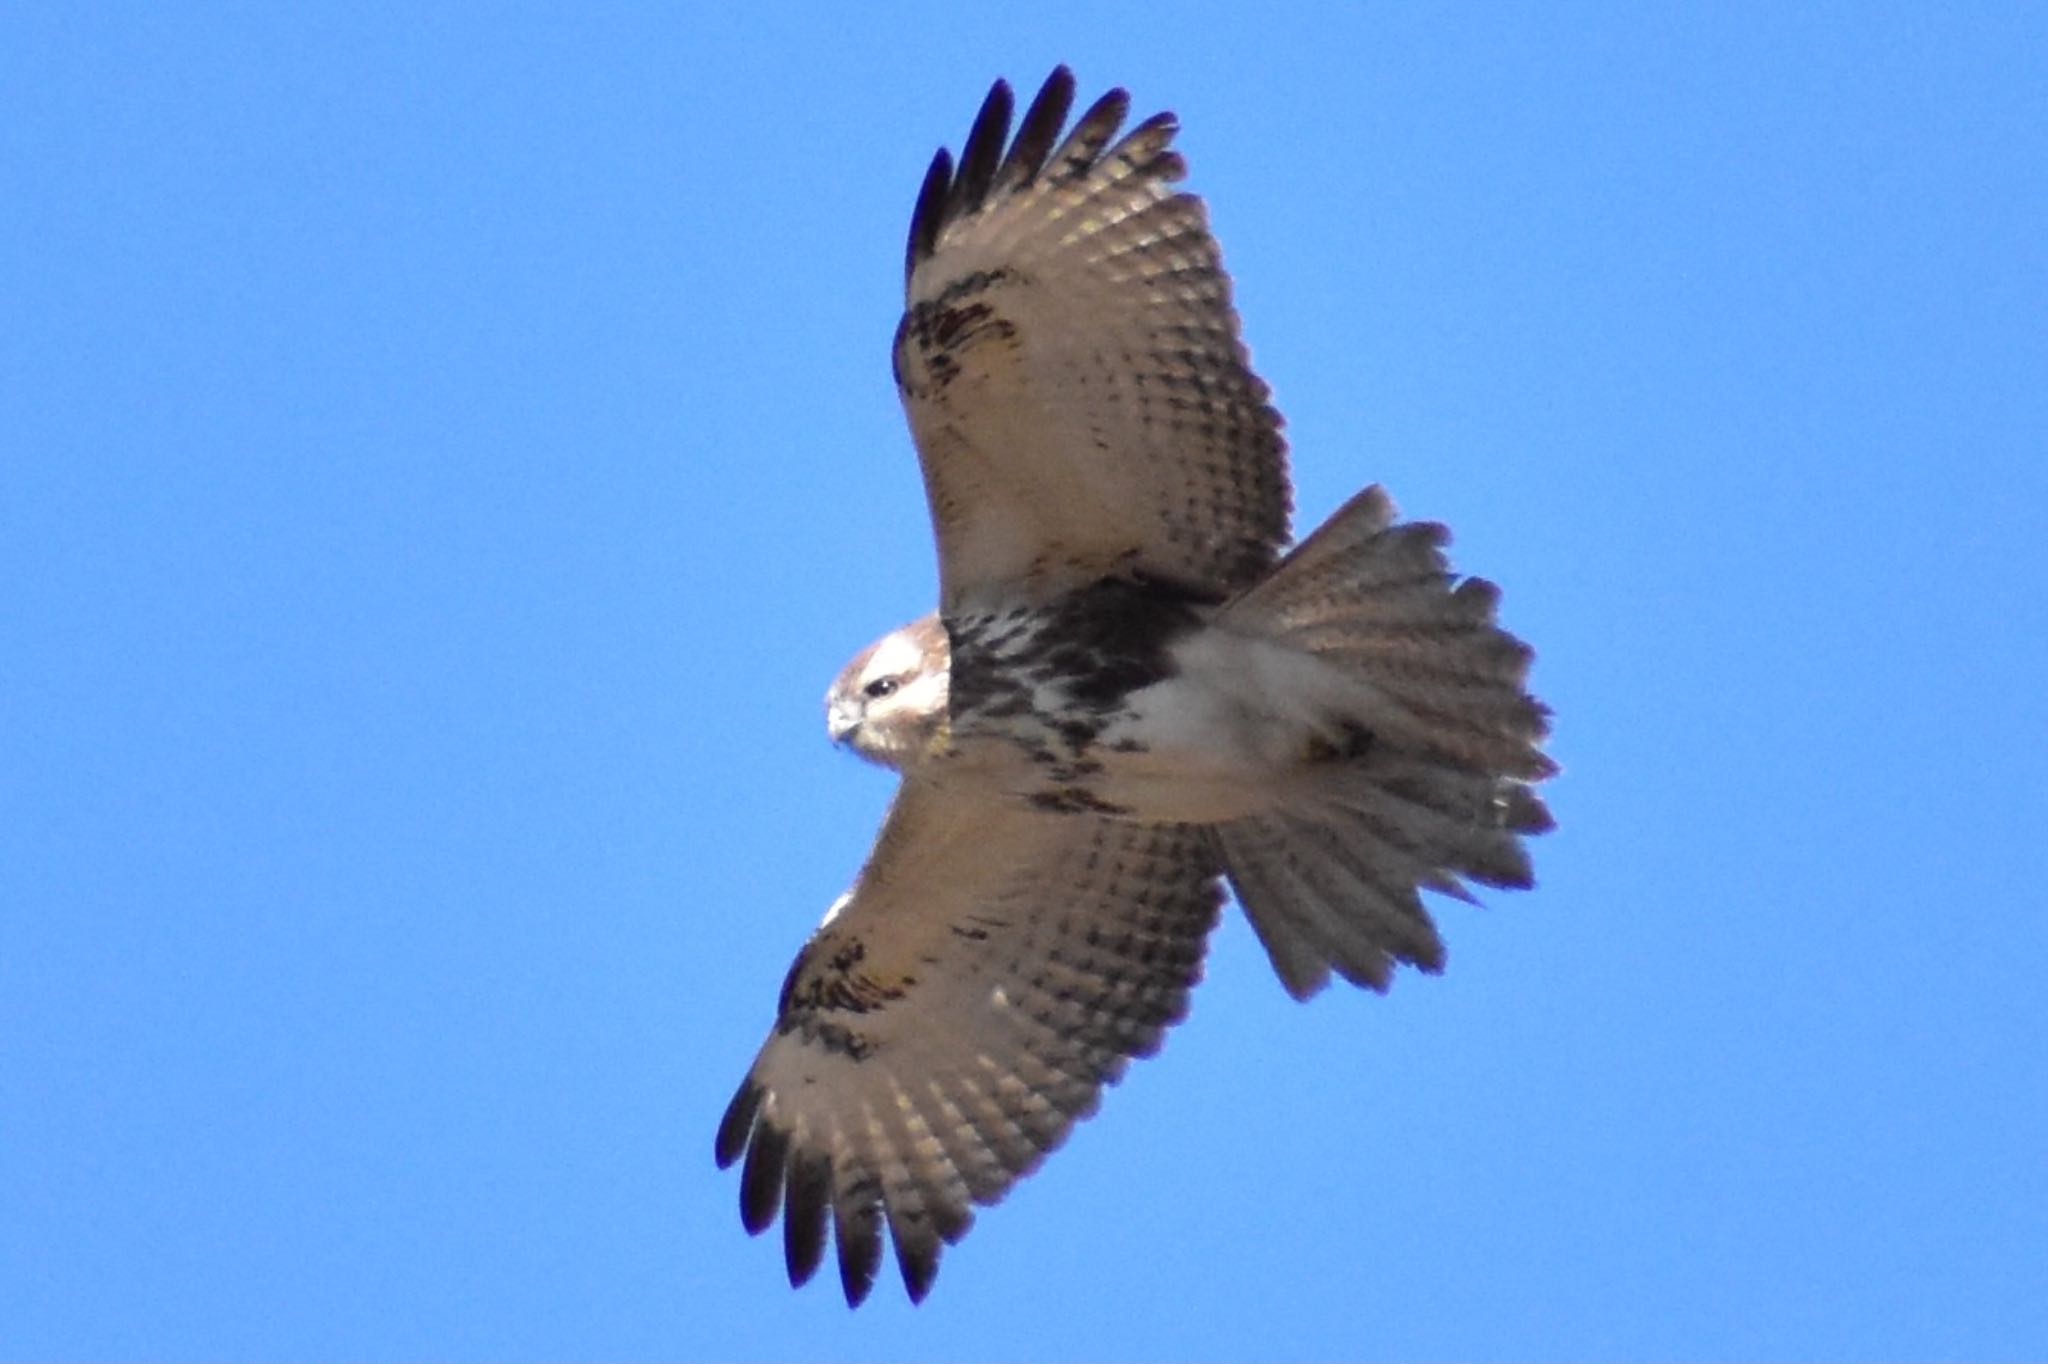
879	688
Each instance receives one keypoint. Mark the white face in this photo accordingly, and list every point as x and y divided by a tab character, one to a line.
889	703
896	662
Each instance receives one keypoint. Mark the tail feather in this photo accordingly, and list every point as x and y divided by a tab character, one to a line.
1444	820
1300	954
1329	908
1374	881
1437	793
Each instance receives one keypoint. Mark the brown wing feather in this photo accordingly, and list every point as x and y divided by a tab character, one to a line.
939	1035
1071	367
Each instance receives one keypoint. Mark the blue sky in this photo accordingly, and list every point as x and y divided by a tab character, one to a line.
445	455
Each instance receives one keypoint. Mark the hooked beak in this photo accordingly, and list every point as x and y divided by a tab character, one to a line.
841	720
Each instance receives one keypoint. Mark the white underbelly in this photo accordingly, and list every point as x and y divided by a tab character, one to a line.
1189	752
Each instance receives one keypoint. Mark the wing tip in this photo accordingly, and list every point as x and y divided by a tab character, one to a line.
737	1124
929	216
1037	132
762	1181
857	1234
982	154
993	164
807	1203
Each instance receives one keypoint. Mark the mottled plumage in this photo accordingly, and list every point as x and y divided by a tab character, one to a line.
1127	699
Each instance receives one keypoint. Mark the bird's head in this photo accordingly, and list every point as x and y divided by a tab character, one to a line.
889	704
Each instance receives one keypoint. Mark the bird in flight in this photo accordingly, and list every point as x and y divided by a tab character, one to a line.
1132	695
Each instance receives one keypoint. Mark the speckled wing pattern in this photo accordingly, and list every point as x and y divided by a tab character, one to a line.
1070	364
989	973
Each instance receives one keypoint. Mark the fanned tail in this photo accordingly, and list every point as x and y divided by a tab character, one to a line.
1422	779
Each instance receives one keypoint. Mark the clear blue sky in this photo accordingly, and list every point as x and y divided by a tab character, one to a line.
445	454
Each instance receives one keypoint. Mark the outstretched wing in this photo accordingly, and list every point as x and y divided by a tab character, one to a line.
1070	364
954	1016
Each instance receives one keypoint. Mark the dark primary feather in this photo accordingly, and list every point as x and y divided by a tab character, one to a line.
950	193
1036	134
737	1124
982	153
806	1203
929	215
857	1231
761	1183
984	169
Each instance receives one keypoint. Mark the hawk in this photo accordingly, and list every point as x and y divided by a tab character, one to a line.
1132	695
